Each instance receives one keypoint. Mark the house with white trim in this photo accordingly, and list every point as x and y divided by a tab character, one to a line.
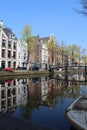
8	47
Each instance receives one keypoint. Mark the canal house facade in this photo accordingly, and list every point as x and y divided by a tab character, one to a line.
13	53
8	48
22	54
39	56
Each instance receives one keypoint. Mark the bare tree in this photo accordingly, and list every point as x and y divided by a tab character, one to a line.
83	9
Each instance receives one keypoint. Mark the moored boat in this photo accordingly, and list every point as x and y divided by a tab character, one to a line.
76	113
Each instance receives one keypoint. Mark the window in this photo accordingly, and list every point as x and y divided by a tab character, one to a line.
37	59
9	63
3	42
14	46
24	56
37	53
3	53
14	54
3	64
37	47
9	54
14	82
9	44
3	94
14	64
19	56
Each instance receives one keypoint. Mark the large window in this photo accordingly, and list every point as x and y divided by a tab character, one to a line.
3	64
19	56
14	46
14	64
9	54
14	55
3	42
3	53
9	44
38	47
9	63
24	56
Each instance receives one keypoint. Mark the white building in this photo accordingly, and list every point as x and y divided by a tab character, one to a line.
44	54
44	88
8	47
22	92
22	54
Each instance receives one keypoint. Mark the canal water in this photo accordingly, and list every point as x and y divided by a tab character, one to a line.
43	99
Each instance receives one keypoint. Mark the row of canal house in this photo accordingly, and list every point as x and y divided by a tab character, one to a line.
13	53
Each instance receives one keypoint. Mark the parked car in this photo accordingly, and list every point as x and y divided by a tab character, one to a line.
35	67
8	69
35	79
21	68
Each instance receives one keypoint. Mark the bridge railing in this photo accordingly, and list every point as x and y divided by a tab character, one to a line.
73	66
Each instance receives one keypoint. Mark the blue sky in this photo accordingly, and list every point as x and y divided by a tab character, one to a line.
46	17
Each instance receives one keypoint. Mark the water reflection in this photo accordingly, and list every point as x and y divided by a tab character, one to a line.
41	99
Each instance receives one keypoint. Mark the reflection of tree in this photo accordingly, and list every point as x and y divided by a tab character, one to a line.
63	91
52	95
72	91
57	93
27	109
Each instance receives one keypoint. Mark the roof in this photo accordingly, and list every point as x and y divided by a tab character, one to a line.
45	38
9	33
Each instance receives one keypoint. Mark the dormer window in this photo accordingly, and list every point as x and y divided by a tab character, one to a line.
11	36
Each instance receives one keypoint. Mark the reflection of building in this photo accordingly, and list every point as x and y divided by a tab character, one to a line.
22	91
34	91
12	94
44	88
8	95
77	77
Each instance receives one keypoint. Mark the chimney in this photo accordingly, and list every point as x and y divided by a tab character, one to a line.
1	24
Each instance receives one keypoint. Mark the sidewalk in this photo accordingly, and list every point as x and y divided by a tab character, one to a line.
8	122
